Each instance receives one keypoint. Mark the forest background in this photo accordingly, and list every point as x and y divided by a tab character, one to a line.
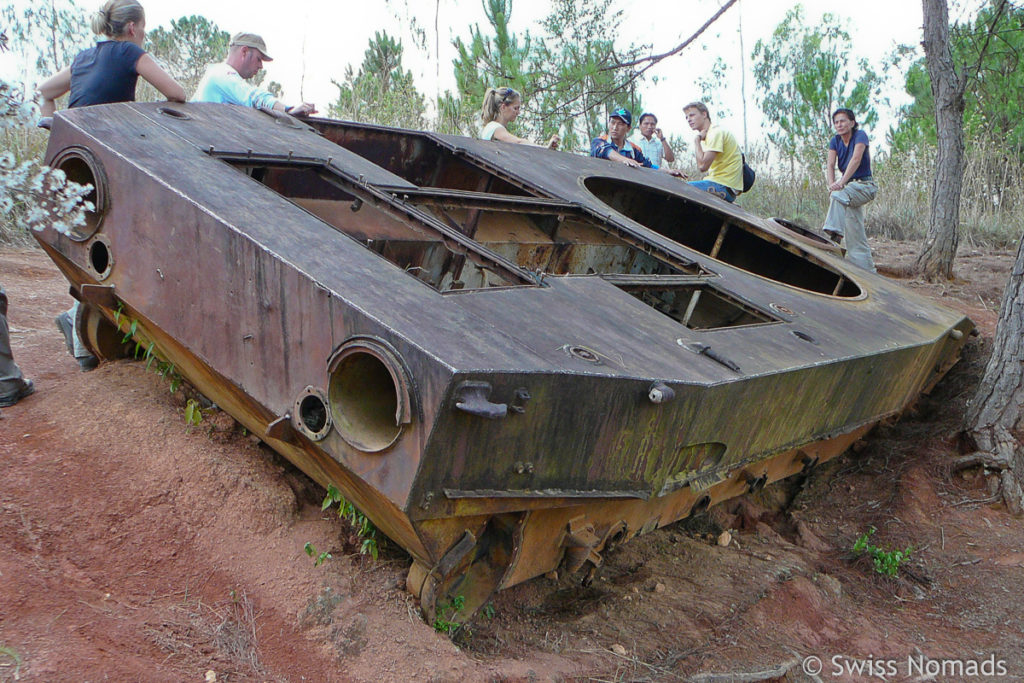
580	60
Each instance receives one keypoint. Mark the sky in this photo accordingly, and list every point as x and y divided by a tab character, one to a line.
312	42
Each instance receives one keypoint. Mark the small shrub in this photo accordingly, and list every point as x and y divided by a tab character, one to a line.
885	562
360	523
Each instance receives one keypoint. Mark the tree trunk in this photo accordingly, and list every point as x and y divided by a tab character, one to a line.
936	259
996	413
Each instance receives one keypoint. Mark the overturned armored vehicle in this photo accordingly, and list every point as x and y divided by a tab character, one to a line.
511	359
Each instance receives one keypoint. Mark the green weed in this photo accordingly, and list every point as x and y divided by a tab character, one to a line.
886	562
446	613
362	525
149	354
318	557
193	413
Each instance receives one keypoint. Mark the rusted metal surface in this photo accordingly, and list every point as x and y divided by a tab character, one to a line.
511	359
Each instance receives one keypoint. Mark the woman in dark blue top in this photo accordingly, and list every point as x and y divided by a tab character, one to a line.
108	71
855	188
103	74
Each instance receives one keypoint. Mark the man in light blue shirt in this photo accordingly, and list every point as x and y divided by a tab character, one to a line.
652	142
226	82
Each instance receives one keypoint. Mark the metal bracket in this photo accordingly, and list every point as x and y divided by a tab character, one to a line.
101	295
473	398
282	429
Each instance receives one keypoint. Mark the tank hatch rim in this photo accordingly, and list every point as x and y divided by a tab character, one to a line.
377	425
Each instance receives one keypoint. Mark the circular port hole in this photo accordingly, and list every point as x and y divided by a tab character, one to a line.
364	401
313	413
310	414
81	166
583	353
99	258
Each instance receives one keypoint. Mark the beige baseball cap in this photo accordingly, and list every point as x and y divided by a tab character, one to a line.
251	40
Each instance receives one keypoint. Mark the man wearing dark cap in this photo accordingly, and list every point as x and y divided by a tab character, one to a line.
614	146
226	82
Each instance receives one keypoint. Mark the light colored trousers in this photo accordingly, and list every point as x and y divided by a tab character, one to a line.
80	350
846	216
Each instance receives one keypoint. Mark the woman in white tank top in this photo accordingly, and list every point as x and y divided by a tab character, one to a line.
501	107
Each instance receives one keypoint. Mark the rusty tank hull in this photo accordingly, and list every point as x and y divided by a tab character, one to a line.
510	359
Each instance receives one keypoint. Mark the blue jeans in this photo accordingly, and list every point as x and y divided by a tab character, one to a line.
717	189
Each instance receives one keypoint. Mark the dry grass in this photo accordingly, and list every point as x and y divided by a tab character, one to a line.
10	663
991	209
223	636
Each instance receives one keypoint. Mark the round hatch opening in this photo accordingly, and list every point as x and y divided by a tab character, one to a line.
368	396
81	166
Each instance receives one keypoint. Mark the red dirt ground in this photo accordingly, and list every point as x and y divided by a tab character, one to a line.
135	547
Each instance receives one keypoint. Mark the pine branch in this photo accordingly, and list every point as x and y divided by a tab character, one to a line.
654	59
971	74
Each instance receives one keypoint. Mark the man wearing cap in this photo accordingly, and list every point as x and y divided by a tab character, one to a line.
614	146
651	140
226	82
718	154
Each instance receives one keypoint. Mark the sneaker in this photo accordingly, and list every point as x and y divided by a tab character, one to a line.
27	388
66	328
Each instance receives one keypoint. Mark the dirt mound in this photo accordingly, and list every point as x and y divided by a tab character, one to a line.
140	548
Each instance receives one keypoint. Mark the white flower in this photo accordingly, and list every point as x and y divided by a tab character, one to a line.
36	183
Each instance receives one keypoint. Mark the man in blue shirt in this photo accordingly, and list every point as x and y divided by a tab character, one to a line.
614	146
226	82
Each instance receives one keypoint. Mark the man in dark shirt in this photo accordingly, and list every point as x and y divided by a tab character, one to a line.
614	146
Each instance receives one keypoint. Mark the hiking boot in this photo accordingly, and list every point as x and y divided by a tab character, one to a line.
27	387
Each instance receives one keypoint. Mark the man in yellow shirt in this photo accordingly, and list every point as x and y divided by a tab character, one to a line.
718	155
